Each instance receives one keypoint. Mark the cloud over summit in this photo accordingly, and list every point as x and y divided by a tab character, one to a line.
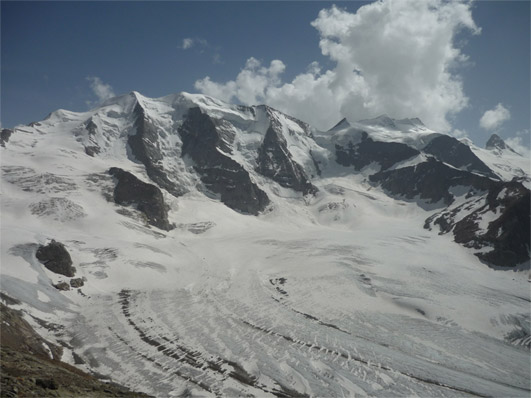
494	118
393	56
102	91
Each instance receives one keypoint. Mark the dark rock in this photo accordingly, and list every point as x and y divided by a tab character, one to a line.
343	123
496	143
92	129
206	145
508	235
49	384
147	198
368	151
56	258
452	151
275	162
4	136
76	282
430	180
8	299
92	150
62	286
145	147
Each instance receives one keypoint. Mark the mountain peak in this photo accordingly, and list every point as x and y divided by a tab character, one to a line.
382	120
495	142
415	121
343	123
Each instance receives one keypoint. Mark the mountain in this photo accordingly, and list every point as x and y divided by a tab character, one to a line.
215	249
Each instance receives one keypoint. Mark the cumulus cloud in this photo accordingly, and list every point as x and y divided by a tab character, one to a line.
101	90
494	118
250	85
517	143
392	56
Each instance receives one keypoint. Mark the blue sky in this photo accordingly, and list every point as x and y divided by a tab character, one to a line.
62	54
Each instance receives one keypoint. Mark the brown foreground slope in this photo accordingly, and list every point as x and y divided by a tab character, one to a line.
27	369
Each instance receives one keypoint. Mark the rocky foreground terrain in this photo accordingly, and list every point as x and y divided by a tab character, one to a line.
31	366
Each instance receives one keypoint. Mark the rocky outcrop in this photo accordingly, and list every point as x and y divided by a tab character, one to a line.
147	198
209	146
63	286
497	144
56	258
509	234
4	136
93	149
19	335
145	147
452	151
430	181
368	151
77	282
275	162
31	366
497	223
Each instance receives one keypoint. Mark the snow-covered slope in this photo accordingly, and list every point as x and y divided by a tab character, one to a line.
290	263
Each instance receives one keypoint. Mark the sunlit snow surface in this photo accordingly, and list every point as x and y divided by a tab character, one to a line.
342	295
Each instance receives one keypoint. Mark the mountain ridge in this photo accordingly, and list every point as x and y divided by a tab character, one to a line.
229	250
190	141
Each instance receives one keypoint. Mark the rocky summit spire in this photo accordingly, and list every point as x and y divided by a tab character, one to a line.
496	142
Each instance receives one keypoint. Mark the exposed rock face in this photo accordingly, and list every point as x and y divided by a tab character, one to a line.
92	150
92	130
368	151
77	282
500	221
62	286
429	180
275	162
145	147
4	136
509	234
450	150
207	145
56	258
495	142
147	198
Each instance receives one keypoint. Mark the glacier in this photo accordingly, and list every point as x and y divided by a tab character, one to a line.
334	287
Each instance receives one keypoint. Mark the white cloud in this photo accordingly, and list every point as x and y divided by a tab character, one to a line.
250	85
517	143
187	43
102	90
494	118
392	56
459	134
